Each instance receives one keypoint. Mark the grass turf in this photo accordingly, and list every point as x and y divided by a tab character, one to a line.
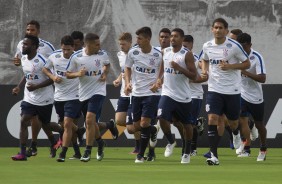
118	167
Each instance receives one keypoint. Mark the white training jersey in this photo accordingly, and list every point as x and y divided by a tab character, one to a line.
89	84
32	70
197	91
122	57
67	89
220	81
45	48
176	84
145	70
251	90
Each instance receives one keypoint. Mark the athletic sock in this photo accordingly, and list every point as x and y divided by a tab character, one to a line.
33	144
23	149
169	137
88	149
109	125
263	147
100	142
228	129
187	149
213	139
183	146
64	151
194	139
137	144
145	136
236	131
76	148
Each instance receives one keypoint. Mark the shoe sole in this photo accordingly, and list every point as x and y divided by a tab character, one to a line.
209	162
60	160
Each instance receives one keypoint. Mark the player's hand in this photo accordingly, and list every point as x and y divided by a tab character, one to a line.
154	88
16	91
17	60
116	83
223	65
31	87
174	65
103	77
128	89
204	75
57	79
82	72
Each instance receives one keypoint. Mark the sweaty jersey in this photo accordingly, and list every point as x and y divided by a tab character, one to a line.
89	84
175	84
122	57
45	48
67	89
251	90
32	70
220	81
196	88
145	70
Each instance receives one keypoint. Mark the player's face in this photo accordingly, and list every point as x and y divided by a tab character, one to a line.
246	46
78	44
142	41
176	39
233	36
124	45
188	45
164	39
93	46
27	46
219	31
67	50
32	30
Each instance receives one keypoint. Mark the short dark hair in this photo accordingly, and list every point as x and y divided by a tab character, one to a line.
91	37
188	38
77	35
165	30
67	40
180	31
34	22
244	38
34	40
145	31
126	36
236	32
221	20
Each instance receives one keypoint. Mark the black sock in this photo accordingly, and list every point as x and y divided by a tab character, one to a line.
228	129
169	137
64	151
236	131
137	144
247	149
218	139
183	146
76	148
251	124
194	139
151	151
187	149
263	147
88	149
109	125
100	142
153	129
145	136
33	144
23	149
213	139
52	140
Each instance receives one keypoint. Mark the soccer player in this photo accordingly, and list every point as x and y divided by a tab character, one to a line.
252	95
77	37
223	58
164	38
66	102
197	93
91	65
45	48
141	68
175	104
38	93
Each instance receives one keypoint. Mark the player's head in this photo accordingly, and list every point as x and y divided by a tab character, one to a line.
30	44
67	46
32	28
144	36
177	36
188	42
125	41
220	28
92	42
164	38
78	38
234	33
246	41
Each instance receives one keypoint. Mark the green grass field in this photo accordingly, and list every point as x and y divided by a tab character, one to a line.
118	167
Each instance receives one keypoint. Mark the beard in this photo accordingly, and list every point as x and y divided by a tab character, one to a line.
26	51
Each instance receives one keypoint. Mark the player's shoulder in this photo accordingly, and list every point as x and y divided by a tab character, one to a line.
208	43
255	54
102	53
56	54
44	43
40	58
135	50
77	54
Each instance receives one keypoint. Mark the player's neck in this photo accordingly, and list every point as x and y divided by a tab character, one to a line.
219	41
146	49
176	48
31	55
90	52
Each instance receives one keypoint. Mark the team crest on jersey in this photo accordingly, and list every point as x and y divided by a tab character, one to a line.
36	60
156	54
152	61
182	51
209	43
57	55
136	52
100	53
252	57
225	52
229	45
79	55
97	62
41	44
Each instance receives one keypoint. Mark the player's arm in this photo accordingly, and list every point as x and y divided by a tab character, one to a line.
159	81
117	82
49	74
33	87
256	77
127	77
16	90
199	78
224	65
72	75
106	69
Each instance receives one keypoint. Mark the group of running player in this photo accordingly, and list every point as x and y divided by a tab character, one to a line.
160	86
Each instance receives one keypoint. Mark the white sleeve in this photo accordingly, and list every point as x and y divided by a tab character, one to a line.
260	66
106	59
72	67
240	54
49	63
129	60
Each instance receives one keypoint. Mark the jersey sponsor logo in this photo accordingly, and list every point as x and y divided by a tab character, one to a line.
229	45
61	73
145	70
215	61
252	57
57	55
172	71
31	76
41	44
93	73
97	62
156	54
36	60
136	52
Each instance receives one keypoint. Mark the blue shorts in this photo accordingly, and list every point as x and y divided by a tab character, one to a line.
169	108
122	104
256	110
69	109
145	106
223	104
94	105
43	112
195	110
